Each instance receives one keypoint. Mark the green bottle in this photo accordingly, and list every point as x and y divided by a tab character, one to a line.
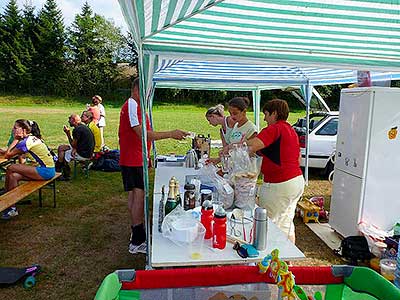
177	193
171	200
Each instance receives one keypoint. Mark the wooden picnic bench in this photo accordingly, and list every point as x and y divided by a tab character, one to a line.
25	189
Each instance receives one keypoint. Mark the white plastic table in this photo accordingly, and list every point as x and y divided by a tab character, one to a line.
165	253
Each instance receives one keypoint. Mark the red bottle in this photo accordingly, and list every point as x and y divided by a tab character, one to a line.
219	229
207	212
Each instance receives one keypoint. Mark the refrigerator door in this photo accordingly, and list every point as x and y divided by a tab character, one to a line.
353	131
346	203
381	205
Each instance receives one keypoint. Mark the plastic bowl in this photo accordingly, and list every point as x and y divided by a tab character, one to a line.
388	266
184	231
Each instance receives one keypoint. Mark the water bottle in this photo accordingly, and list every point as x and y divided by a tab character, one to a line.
260	227
397	272
219	228
206	218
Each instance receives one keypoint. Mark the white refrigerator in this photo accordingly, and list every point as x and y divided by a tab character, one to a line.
366	183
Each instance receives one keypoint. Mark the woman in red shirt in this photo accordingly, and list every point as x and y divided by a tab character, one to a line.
283	185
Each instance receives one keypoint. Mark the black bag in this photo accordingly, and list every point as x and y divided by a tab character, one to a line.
354	248
108	162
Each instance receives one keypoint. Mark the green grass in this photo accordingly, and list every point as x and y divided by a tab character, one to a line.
86	236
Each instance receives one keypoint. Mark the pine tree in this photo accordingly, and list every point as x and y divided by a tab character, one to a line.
93	44
50	50
12	53
29	32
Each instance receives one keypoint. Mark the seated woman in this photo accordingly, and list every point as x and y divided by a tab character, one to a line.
25	142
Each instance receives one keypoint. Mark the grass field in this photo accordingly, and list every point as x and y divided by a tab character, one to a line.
86	236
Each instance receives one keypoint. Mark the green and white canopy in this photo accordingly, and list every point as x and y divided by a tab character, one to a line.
325	34
343	33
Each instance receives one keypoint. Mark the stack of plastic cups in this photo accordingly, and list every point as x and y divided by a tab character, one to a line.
397	272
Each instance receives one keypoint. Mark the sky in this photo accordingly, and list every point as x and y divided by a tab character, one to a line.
110	9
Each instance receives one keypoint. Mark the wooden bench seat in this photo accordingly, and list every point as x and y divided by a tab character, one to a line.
25	189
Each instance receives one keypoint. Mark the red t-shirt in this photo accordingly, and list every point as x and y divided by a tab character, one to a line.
130	145
281	153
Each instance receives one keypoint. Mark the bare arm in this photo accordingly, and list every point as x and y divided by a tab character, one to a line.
255	144
11	150
161	135
68	134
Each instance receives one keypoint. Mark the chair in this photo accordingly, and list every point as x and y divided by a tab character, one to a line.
85	163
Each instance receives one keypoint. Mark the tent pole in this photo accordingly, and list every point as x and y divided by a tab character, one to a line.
256	107
308	95
143	106
150	108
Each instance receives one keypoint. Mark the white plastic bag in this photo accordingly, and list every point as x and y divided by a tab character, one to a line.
373	235
244	174
224	188
180	226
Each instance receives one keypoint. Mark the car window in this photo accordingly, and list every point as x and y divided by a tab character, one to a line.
330	128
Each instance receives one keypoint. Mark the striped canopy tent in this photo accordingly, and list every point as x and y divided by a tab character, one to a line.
301	35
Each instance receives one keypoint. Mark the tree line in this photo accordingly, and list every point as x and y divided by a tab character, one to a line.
39	55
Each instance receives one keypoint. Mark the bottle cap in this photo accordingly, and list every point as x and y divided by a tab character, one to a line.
190	186
220	212
260	214
207	204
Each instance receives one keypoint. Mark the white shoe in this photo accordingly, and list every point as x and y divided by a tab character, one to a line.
135	249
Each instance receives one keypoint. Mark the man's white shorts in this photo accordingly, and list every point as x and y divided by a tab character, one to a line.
68	156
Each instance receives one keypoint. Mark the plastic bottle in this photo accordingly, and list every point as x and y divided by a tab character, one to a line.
397	272
219	228
206	218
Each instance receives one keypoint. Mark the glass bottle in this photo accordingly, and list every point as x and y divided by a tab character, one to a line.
171	200
177	193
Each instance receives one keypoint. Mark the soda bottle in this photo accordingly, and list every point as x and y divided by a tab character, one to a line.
219	228
207	211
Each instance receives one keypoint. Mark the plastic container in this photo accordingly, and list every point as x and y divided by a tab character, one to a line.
388	267
195	247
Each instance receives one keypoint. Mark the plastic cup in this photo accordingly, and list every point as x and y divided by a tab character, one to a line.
195	247
388	266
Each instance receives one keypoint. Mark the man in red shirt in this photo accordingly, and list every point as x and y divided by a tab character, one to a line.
131	162
278	144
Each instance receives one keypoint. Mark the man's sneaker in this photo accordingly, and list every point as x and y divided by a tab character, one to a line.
13	212
8	213
135	249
